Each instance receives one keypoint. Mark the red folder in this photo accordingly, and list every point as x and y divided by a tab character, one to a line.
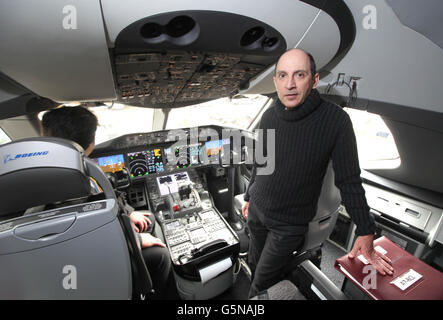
412	279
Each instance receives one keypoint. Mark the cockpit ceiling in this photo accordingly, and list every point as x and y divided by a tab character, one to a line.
425	19
165	54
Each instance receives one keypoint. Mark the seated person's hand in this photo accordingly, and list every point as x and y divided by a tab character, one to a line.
140	220
149	240
244	210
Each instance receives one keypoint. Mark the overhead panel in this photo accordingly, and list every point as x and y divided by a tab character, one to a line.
186	57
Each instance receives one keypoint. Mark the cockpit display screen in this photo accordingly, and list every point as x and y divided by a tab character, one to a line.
112	163
216	147
184	156
194	153
181	156
143	163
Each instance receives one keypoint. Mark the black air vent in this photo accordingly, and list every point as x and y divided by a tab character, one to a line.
179	26
255	38
180	30
151	30
252	36
199	30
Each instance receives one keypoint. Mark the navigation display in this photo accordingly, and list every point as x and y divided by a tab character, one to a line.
216	147
111	163
143	163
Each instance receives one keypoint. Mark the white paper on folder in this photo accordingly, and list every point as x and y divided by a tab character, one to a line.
407	279
378	248
215	269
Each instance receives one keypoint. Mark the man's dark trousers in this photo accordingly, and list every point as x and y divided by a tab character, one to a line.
270	248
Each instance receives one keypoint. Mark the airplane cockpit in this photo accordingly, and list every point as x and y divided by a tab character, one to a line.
179	90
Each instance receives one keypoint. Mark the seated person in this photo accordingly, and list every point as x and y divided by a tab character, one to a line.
79	125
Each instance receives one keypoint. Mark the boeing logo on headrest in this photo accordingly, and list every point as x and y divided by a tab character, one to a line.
8	157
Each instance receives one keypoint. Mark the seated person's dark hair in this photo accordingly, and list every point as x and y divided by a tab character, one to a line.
73	123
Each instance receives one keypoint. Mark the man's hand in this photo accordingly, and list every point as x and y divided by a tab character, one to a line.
140	220
244	210
364	245
149	240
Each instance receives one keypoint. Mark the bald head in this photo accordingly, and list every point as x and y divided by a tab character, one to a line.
295	76
300	52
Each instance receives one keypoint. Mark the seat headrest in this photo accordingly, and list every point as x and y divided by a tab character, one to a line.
38	171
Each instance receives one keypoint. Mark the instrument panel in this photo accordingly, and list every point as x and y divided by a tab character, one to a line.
164	159
163	152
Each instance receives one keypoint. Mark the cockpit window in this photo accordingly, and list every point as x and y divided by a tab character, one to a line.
238	112
121	119
118	120
4	137
375	143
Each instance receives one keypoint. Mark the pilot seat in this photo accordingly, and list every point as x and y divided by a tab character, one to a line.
304	267
74	245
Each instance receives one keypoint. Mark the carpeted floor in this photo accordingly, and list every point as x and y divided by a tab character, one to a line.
330	252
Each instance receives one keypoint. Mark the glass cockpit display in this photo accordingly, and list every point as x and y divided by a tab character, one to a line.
155	160
194	153
184	156
112	163
215	149
143	163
